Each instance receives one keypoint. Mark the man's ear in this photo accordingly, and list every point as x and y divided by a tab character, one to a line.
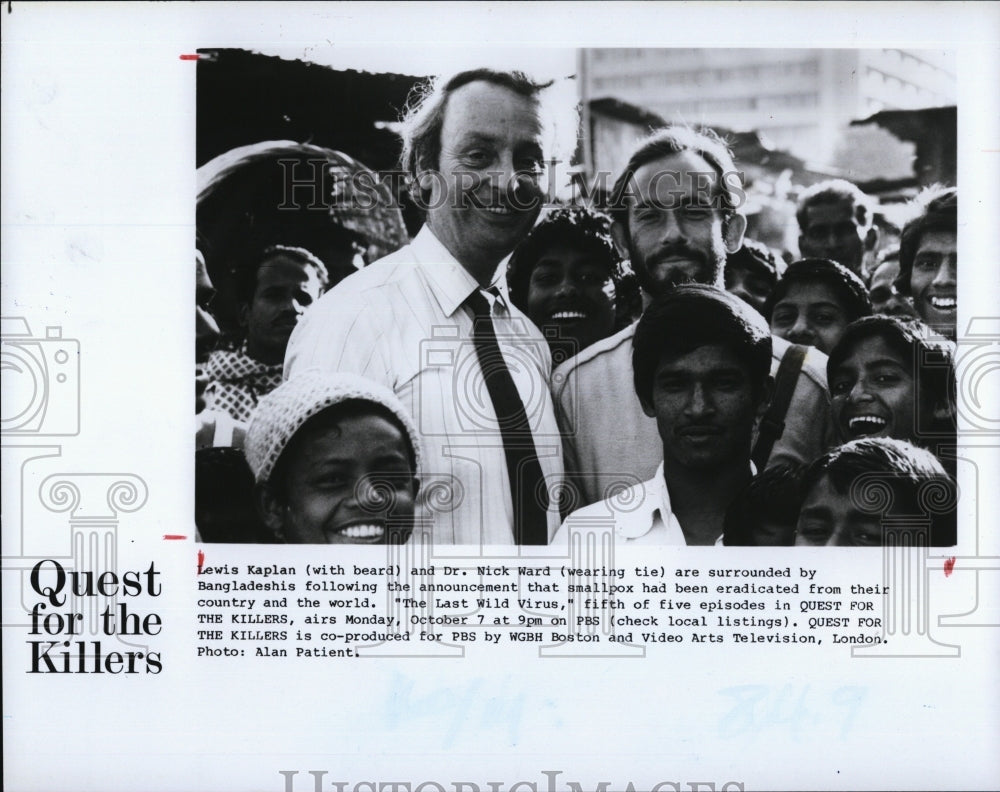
734	226
619	233
871	239
244	315
271	509
647	407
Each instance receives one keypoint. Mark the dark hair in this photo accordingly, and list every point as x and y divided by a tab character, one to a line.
755	257
324	419
673	140
771	496
915	477
932	358
224	500
834	191
247	277
939	213
423	118
849	288
579	227
695	315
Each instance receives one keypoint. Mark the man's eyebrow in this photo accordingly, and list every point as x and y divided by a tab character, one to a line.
479	137
816	511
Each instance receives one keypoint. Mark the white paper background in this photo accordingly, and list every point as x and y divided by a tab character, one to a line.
98	227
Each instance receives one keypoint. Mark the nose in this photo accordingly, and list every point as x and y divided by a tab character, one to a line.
672	232
699	401
567	286
859	391
370	496
801	329
946	274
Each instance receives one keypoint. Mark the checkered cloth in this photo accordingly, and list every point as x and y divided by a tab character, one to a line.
237	382
280	414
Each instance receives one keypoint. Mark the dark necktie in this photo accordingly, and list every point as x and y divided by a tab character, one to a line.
528	491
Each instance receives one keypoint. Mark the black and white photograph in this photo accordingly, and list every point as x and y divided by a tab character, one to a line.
351	238
621	348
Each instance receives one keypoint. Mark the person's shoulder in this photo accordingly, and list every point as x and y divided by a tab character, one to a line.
813	366
598	353
377	274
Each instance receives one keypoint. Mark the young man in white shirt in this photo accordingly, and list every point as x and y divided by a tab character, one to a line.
706	386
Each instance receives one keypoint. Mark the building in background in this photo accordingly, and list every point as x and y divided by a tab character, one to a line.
799	100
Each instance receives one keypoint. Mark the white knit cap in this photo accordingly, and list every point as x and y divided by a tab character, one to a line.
281	413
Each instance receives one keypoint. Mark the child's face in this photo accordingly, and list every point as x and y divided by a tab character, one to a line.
829	518
873	393
810	314
751	287
350	482
572	292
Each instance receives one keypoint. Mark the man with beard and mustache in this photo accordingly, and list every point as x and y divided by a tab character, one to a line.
676	213
433	321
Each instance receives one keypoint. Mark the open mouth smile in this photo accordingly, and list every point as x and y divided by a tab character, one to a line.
943	303
866	424
363	533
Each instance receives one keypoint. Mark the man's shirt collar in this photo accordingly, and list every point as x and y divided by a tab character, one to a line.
451	282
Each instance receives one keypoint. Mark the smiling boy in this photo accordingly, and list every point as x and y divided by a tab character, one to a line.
335	459
894	377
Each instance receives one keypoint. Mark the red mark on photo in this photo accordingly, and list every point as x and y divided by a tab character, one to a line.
195	56
174	536
201	560
949	565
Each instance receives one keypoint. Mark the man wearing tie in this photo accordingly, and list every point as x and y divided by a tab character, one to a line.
433	321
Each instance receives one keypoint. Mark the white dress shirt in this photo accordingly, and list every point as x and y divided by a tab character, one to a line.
401	322
640	514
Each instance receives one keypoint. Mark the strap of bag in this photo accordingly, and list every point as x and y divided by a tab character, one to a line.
772	425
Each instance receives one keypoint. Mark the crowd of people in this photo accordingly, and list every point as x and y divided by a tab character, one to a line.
519	371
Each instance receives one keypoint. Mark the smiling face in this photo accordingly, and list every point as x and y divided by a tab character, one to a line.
873	393
346	481
484	195
677	229
286	286
705	407
571	292
811	314
934	281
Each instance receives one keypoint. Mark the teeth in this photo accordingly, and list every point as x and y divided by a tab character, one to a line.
363	531
867	423
944	303
498	210
569	315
